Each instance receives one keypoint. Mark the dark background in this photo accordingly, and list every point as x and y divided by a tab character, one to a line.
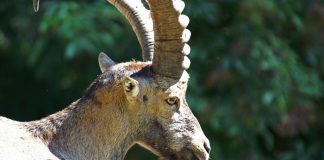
257	73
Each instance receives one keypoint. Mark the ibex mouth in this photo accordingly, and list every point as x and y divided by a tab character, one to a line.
187	154
193	154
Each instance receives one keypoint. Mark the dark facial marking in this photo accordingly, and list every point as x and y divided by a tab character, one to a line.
145	98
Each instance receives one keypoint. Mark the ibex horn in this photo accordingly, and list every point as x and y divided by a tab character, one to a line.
36	5
141	21
170	37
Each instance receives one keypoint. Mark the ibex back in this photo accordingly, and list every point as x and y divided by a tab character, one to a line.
129	103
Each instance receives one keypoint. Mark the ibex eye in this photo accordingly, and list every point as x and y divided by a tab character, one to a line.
172	101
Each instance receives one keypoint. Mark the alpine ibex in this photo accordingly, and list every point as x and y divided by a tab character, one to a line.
129	103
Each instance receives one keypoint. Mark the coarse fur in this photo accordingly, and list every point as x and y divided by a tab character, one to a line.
125	105
129	103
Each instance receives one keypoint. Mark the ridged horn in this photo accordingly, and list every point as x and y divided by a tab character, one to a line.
170	37
141	21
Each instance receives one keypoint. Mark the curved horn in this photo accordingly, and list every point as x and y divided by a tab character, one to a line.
170	37
141	21
36	5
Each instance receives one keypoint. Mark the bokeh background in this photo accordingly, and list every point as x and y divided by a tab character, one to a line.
257	73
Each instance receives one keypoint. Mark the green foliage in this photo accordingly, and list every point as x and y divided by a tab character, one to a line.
257	73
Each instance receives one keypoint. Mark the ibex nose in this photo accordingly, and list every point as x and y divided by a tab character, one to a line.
201	149
207	147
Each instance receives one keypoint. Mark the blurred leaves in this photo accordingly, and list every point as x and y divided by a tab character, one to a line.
257	73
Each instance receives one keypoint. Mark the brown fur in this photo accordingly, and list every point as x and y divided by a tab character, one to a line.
107	121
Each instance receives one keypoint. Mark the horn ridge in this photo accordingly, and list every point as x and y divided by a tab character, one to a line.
141	22
170	38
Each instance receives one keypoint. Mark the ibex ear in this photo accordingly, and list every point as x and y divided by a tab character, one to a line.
105	62
131	88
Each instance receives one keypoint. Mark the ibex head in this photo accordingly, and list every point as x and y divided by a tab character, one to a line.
156	91
152	93
156	105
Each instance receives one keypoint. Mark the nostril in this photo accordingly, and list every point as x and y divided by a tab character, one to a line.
207	147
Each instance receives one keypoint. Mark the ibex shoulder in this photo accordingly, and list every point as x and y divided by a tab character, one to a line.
17	143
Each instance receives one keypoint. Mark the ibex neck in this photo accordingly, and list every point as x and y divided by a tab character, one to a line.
86	130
